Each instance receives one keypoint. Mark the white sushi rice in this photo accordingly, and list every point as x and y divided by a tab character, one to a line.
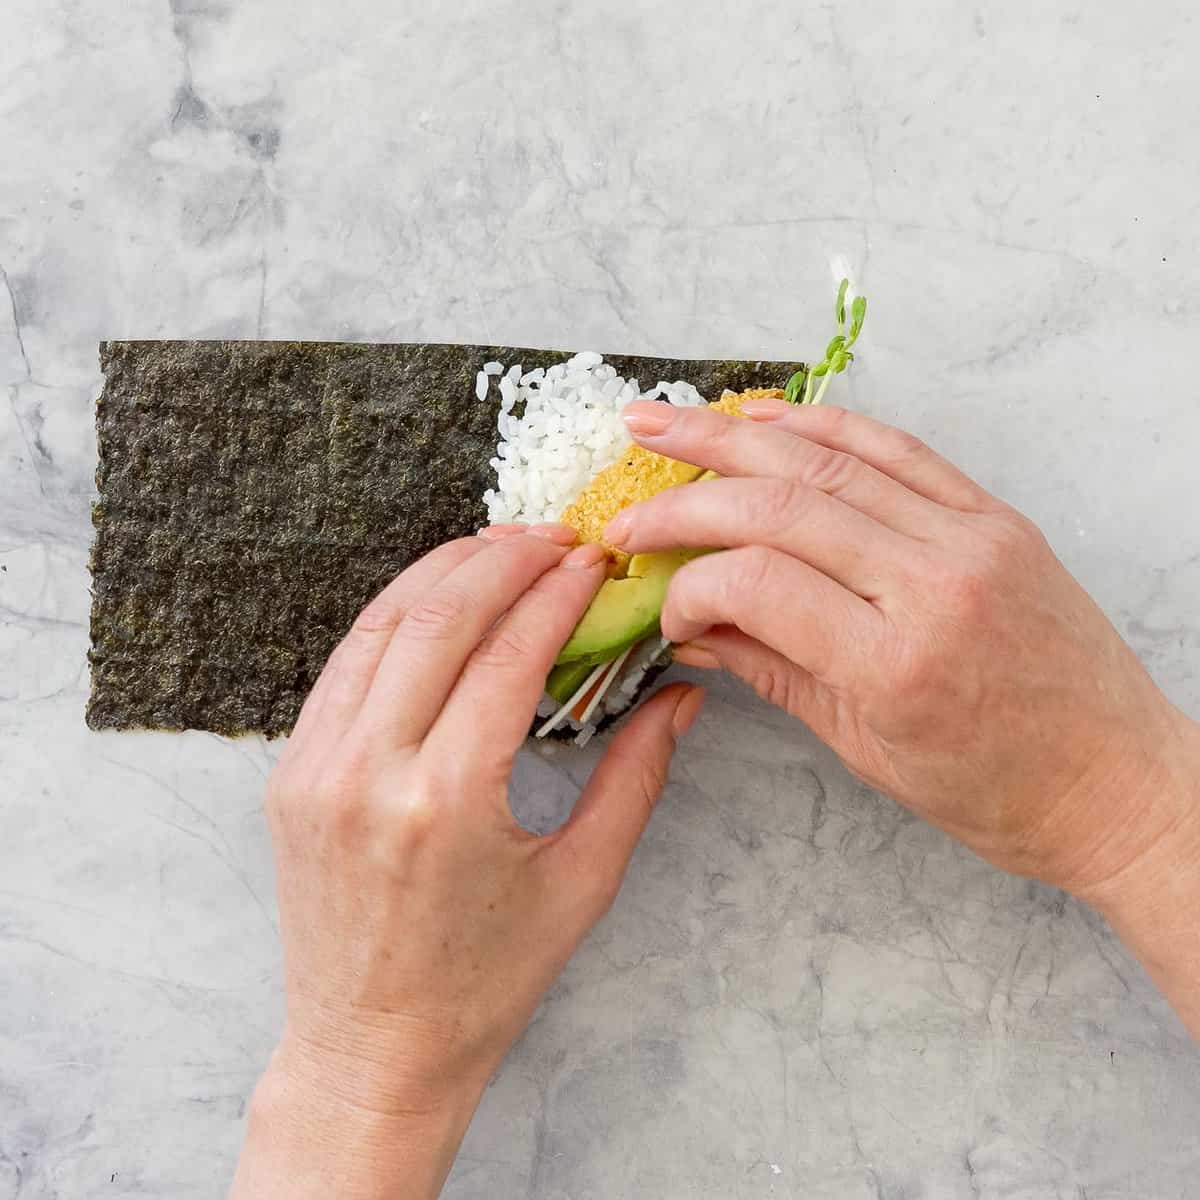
559	428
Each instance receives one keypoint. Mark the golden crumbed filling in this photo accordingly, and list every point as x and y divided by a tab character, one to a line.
731	402
639	474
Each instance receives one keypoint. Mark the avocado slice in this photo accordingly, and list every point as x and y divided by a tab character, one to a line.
565	680
624	611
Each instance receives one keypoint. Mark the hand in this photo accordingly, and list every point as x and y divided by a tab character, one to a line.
420	924
923	629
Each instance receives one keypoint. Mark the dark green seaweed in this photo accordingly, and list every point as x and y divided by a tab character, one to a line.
253	496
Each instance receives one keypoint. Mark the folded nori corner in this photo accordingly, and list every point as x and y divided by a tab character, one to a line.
253	496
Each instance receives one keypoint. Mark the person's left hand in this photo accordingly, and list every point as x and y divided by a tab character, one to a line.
421	925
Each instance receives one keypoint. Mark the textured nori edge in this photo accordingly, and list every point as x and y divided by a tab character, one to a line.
253	496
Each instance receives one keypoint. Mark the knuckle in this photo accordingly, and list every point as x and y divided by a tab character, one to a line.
821	421
709	431
837	420
505	649
652	778
483	766
827	470
913	675
968	593
438	615
381	615
416	819
904	447
752	569
399	830
1006	544
338	791
774	503
774	685
341	795
1012	533
450	774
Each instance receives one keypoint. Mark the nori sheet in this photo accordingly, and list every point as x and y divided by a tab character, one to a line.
253	496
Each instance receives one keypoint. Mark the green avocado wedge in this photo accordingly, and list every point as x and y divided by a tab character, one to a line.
564	681
625	611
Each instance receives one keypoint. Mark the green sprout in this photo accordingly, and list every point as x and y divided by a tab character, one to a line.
838	356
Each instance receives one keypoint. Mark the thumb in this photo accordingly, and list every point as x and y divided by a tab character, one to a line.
775	678
596	844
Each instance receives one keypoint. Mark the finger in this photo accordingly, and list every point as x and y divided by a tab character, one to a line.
756	448
342	685
492	533
502	683
564	535
837	540
592	851
309	719
441	629
779	601
772	676
895	453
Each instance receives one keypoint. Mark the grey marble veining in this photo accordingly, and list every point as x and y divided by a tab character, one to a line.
802	992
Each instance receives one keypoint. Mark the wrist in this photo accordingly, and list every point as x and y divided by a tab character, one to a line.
1131	805
314	1130
1152	835
1151	894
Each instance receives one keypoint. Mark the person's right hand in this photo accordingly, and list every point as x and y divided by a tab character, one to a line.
925	630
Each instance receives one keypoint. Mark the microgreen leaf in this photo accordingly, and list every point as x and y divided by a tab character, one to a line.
858	314
840	307
795	386
799	389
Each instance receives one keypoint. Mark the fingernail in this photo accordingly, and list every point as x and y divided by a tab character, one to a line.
587	555
647	417
564	535
617	531
493	533
687	710
695	656
767	409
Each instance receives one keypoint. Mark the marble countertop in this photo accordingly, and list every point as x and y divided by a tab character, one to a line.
802	992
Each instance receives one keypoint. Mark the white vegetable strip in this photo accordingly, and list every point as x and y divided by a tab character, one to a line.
613	671
555	721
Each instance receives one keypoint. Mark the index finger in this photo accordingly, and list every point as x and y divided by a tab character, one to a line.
502	683
906	458
768	449
439	632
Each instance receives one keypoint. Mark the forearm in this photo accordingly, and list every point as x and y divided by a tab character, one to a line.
1153	903
304	1139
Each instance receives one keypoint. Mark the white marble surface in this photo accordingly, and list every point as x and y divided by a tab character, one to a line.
802	992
